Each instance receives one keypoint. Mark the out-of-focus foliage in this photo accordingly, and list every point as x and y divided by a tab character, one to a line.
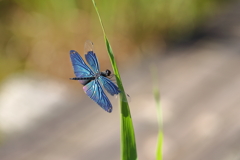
38	34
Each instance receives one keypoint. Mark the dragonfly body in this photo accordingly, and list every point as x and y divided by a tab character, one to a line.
105	74
92	79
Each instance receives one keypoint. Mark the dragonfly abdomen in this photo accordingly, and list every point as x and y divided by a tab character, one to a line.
82	78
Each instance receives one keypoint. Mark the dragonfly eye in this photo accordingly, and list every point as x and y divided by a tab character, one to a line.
108	73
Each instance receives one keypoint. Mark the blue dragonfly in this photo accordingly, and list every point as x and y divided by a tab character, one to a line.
92	79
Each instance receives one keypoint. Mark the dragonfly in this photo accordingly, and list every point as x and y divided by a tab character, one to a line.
92	79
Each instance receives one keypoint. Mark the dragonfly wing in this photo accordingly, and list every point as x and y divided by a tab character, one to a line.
92	60
94	90
79	66
109	85
90	56
88	46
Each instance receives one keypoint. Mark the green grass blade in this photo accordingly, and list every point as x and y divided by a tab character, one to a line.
159	155
128	143
156	92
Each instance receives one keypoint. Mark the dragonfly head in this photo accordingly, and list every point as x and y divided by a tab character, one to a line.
108	72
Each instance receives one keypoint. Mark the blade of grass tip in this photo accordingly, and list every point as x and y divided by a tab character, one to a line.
128	143
156	92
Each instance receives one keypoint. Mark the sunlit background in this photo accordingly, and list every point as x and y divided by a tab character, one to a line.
193	44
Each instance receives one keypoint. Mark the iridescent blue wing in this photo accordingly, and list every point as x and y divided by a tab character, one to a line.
94	90
79	66
90	56
92	61
109	85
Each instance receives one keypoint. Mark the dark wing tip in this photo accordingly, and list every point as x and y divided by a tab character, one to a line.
109	110
73	52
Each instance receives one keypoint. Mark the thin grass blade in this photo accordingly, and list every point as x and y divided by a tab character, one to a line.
128	143
156	92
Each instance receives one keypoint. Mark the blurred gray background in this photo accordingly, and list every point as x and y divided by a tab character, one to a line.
193	44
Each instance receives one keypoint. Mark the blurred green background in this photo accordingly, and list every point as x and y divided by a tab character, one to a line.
37	35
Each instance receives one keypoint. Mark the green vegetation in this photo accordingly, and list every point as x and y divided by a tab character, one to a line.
128	144
156	92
